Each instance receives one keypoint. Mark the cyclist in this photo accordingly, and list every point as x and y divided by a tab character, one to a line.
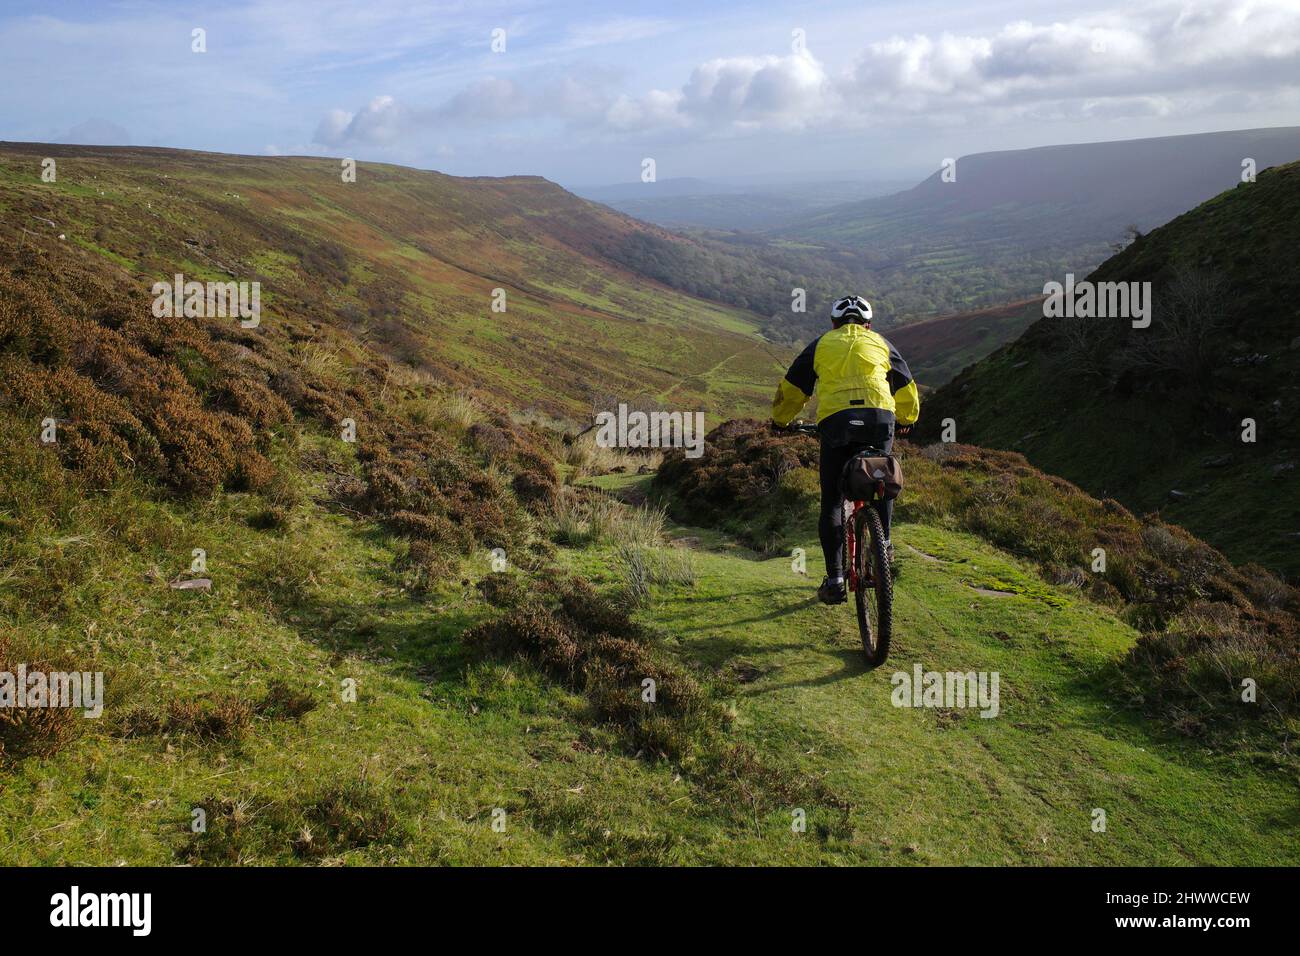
864	389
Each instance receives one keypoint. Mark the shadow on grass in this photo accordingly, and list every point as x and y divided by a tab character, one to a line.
852	664
408	635
723	599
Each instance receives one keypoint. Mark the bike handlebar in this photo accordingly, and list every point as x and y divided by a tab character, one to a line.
809	428
803	428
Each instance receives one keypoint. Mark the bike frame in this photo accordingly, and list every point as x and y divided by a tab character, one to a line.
851	543
850	535
851	538
872	616
851	518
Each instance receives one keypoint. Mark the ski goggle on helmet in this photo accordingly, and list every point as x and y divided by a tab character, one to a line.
853	307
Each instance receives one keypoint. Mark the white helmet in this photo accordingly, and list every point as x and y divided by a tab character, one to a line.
854	307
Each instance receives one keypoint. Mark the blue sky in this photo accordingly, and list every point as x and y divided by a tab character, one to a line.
584	91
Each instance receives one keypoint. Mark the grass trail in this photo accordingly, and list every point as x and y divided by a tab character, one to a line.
947	786
439	741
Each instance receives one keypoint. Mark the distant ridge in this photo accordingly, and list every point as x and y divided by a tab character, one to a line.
1084	190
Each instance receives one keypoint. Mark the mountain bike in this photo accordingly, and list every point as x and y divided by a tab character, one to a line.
866	565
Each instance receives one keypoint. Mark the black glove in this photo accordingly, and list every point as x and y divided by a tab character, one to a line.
902	431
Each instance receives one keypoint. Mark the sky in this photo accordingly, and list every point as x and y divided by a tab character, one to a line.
583	93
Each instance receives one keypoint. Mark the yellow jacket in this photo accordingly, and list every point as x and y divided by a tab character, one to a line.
849	367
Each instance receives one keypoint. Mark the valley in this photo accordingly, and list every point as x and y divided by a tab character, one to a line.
427	613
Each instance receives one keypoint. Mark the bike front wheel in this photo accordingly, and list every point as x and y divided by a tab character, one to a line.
874	593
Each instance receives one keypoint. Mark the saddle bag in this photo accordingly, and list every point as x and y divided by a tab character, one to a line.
867	475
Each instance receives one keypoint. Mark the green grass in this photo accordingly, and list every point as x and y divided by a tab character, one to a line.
275	264
439	737
407	260
122	261
951	787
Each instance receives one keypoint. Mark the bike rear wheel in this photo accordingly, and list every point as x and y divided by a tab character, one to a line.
874	593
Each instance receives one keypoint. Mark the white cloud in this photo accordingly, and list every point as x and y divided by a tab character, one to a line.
1164	59
1155	51
655	110
581	99
332	129
380	122
781	91
1154	60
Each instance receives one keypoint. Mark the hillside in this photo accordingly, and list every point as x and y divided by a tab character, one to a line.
1013	219
427	640
404	259
937	349
1153	417
703	204
498	717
